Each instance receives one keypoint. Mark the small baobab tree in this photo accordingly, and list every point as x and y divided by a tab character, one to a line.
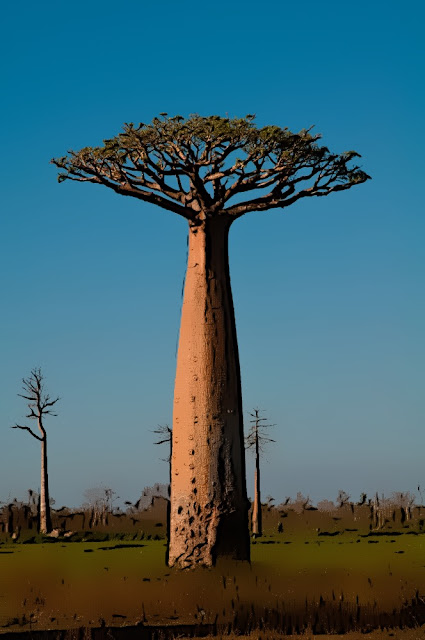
165	434
40	405
210	171
256	439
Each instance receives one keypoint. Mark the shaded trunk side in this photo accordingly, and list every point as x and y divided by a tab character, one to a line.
209	505
45	521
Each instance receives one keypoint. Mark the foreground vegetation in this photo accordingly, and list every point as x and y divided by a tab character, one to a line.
329	570
294	582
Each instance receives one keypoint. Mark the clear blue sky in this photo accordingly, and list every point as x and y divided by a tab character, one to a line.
329	294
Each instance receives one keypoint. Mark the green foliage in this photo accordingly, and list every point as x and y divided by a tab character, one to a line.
200	163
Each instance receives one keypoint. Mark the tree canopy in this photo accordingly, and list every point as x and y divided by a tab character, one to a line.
200	166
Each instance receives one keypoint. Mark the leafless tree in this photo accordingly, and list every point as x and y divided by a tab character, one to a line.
256	439
302	503
40	405
100	500
405	501
326	505
165	434
342	498
147	499
363	498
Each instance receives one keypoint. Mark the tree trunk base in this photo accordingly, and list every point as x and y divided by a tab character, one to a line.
206	534
209	505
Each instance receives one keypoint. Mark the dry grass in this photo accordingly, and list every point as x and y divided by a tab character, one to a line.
325	573
327	584
417	633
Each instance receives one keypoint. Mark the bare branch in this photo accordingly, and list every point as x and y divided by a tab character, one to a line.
256	437
49	403
34	435
39	402
164	430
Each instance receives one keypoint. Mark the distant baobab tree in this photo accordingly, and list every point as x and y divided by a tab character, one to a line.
166	437
256	440
40	405
210	171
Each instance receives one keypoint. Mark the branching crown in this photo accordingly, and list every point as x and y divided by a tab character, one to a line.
200	166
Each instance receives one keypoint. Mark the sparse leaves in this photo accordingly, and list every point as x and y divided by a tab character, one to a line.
202	163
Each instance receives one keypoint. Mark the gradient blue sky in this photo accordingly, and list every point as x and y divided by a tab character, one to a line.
329	294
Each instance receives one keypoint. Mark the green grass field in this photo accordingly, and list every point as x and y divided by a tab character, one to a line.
73	584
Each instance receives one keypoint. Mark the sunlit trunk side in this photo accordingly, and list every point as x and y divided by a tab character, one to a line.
209	505
45	521
257	525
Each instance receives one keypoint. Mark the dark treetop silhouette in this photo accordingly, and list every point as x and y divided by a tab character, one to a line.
200	168
40	405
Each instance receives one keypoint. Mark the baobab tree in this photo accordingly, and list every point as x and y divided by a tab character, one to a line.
165	433
40	405
256	439
210	171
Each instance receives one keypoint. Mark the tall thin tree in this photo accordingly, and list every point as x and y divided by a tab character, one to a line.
40	405
256	440
166	437
210	171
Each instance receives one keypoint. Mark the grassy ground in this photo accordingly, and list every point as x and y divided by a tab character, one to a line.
64	584
379	634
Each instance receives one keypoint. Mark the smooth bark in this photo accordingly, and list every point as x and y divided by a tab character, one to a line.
209	505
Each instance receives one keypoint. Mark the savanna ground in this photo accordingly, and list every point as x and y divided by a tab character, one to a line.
320	574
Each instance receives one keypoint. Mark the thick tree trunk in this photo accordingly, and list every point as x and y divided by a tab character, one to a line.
257	524
45	521
209	505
